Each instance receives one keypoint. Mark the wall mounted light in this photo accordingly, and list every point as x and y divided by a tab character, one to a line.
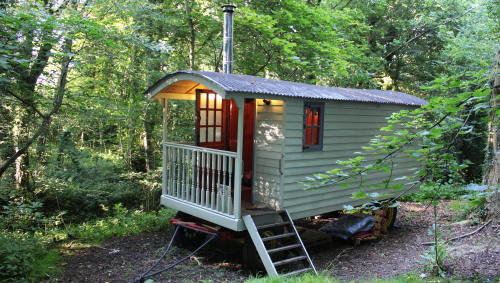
267	101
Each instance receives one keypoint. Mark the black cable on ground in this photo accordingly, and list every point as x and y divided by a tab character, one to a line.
146	275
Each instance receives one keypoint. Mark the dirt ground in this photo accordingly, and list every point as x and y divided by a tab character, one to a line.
474	257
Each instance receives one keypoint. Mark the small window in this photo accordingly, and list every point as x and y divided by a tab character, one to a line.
313	126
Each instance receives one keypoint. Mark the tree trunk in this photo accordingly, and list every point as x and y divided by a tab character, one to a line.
193	37
148	137
492	175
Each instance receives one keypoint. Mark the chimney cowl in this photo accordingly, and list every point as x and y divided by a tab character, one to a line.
228	8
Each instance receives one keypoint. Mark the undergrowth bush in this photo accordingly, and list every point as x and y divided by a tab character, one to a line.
462	210
472	205
17	255
84	188
20	215
94	195
124	223
436	191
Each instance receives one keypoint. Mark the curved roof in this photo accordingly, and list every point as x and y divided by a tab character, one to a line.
232	83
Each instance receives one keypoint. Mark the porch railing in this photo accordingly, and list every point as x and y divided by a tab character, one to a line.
201	176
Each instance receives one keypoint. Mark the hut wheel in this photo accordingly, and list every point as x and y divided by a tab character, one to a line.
188	238
390	216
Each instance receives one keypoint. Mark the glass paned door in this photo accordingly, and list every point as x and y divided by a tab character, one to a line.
210	126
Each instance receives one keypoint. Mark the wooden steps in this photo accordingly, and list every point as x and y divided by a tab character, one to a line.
285	248
278	244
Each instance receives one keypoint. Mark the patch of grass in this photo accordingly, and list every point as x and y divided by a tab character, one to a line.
45	267
123	223
25	257
461	209
468	210
472	205
324	277
307	277
410	278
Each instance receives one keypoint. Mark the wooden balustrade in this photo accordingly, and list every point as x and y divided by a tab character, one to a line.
201	176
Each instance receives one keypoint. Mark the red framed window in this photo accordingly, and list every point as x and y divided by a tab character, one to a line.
313	126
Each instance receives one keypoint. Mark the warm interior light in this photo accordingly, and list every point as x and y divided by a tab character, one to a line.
210	118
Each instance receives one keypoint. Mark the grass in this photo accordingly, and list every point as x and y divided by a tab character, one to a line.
326	278
308	277
123	223
45	267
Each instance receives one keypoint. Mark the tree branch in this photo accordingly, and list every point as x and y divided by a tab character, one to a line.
29	104
58	98
425	32
268	59
22	150
461	236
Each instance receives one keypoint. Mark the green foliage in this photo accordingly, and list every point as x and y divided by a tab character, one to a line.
435	257
123	223
409	37
181	126
44	266
121	47
18	255
374	203
79	188
21	216
462	210
472	204
97	181
478	194
470	47
294	41
431	191
104	144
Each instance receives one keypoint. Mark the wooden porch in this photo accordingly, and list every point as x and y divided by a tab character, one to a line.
201	181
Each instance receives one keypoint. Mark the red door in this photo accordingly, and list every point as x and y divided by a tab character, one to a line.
217	127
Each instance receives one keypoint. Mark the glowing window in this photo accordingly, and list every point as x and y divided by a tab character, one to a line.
313	126
210	113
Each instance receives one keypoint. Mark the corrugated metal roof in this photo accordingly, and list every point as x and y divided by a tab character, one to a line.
251	84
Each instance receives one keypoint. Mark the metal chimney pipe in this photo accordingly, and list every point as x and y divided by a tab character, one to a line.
227	62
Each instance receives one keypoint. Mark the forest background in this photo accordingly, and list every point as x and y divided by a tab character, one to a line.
79	140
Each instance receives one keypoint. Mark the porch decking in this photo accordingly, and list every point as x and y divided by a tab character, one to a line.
201	181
